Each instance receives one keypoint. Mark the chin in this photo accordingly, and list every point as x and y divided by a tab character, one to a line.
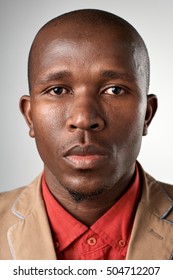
80	195
86	189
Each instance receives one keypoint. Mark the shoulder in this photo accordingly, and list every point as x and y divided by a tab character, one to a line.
151	184
155	185
157	196
8	217
7	199
12	202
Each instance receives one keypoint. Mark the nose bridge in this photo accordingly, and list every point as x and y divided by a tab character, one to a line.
85	113
86	106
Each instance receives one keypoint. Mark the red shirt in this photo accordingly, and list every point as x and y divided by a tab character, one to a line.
106	239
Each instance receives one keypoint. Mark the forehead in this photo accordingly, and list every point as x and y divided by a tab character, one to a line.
85	32
85	48
86	42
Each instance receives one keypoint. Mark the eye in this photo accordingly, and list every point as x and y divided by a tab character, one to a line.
115	90
57	91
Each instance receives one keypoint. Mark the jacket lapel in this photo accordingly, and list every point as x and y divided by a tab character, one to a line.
152	233
31	235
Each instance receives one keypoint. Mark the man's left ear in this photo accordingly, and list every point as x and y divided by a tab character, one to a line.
150	111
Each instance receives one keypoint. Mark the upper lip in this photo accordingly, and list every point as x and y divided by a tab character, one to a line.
79	150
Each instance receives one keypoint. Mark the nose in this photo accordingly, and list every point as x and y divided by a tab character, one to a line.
85	114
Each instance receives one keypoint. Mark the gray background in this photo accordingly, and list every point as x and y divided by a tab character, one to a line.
19	22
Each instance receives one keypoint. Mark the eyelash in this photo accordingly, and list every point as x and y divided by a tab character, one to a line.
59	88
120	90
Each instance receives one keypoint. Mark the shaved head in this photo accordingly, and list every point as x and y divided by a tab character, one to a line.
82	24
89	105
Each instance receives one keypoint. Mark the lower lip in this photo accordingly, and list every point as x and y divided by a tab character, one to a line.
86	162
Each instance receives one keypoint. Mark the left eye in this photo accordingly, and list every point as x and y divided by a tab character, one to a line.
113	90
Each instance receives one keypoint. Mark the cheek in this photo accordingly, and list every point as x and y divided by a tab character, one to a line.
47	124
128	122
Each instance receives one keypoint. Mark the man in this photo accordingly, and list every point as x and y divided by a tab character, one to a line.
88	109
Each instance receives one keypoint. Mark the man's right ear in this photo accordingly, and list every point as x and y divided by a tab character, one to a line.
25	108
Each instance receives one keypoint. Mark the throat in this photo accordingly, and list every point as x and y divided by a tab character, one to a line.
88	205
88	208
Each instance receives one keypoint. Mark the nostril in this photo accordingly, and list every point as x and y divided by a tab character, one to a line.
94	126
85	123
73	126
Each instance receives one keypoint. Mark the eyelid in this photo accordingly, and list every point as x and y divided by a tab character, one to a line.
48	90
113	86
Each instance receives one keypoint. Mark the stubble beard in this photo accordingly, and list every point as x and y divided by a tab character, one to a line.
79	196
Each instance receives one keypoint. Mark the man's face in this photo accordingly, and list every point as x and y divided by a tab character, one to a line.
87	108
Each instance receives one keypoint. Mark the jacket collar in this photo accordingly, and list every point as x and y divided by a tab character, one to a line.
153	224
31	235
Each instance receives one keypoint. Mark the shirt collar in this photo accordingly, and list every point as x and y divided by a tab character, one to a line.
113	226
116	224
65	228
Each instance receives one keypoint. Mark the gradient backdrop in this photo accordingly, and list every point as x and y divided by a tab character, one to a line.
19	22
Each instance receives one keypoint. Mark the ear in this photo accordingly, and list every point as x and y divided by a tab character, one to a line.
150	111
25	108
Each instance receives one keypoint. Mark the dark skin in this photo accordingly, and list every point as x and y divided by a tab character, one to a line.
87	111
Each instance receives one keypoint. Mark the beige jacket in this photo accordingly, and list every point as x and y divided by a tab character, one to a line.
25	232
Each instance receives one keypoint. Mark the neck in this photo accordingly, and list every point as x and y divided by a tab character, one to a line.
89	210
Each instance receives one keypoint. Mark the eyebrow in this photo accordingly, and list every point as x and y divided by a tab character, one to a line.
54	76
115	75
110	74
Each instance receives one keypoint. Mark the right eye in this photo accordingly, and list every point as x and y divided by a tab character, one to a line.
57	91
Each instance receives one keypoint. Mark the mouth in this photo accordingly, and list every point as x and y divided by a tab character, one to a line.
86	157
